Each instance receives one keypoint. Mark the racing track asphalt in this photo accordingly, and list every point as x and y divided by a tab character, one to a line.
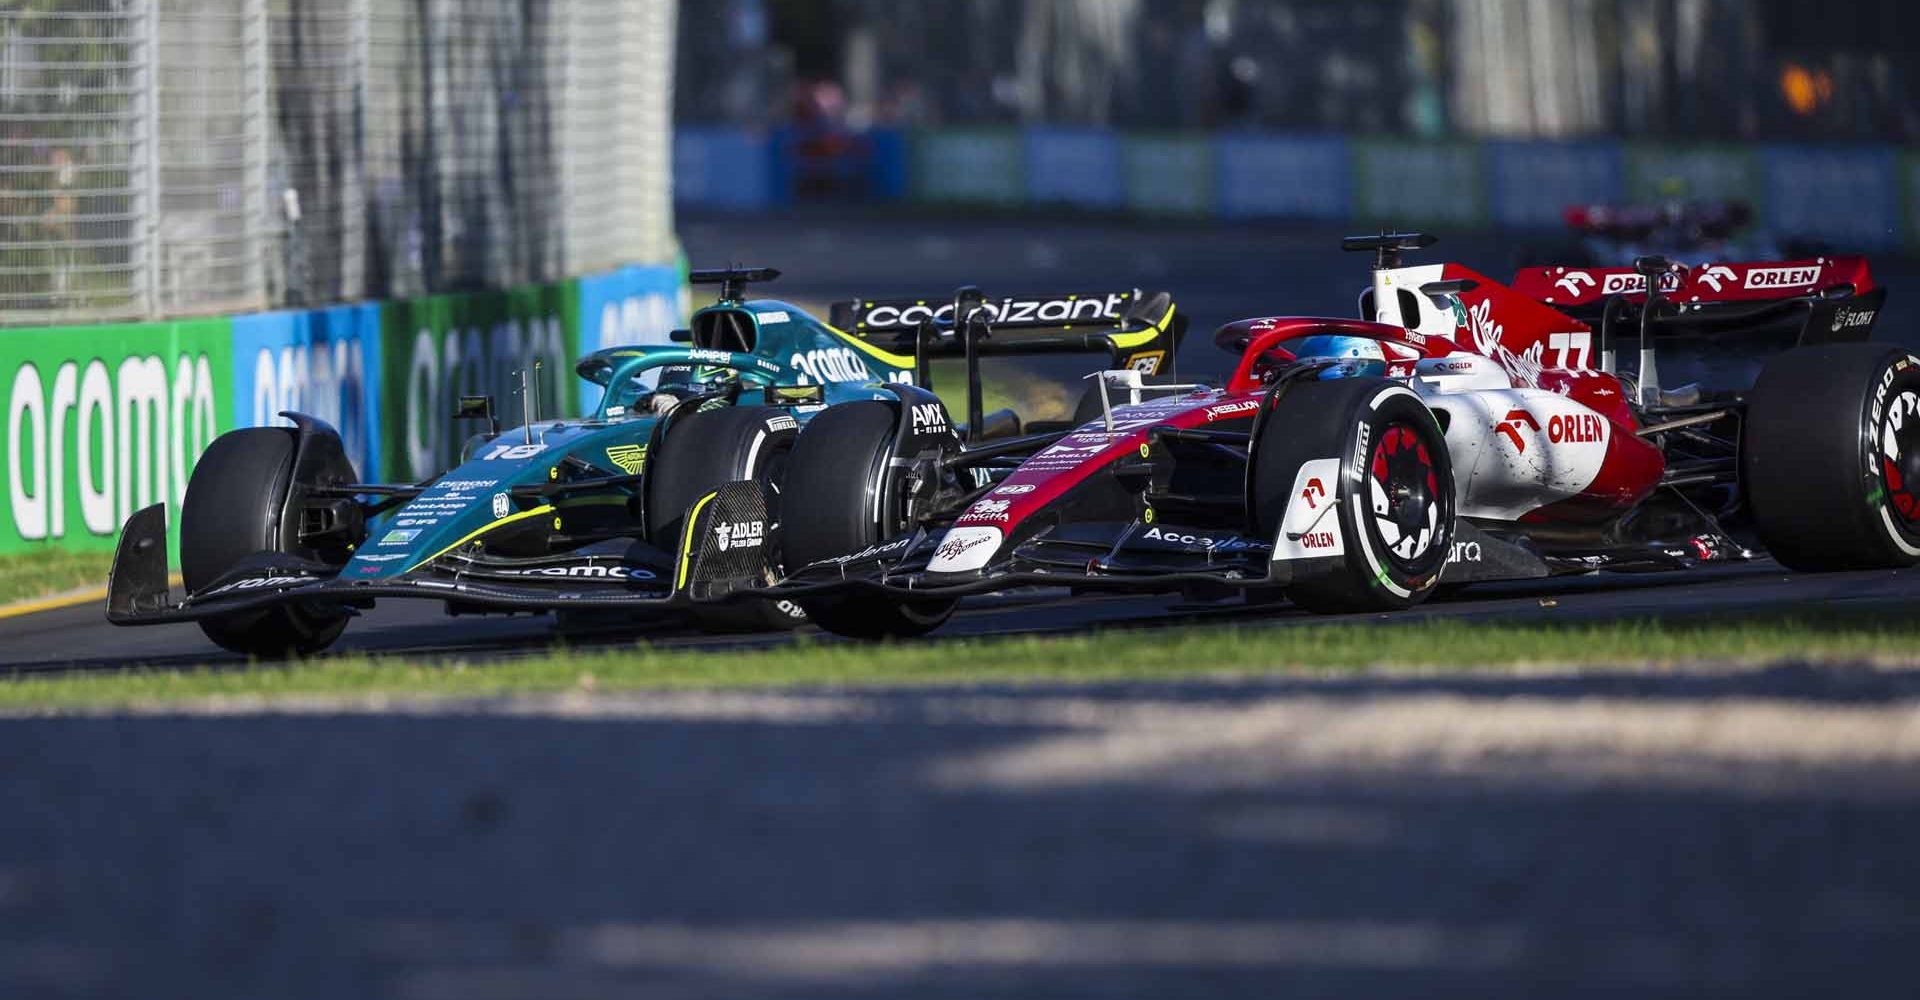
1217	273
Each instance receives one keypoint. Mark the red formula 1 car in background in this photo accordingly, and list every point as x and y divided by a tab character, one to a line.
1459	430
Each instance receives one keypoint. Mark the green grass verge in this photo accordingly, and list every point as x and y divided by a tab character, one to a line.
1158	654
37	574
1005	387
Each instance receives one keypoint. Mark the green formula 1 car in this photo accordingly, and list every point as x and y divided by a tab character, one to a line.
665	499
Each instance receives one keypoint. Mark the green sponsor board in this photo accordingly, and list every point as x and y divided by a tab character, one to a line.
438	348
1704	173
1404	183
1169	175
974	166
104	420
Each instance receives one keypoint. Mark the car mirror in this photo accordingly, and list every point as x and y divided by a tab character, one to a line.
796	395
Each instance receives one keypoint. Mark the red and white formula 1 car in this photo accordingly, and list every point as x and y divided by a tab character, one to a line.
1459	431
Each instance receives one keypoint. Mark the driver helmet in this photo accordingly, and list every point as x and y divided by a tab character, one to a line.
1326	345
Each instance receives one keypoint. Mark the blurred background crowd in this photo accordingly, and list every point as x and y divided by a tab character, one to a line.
1704	69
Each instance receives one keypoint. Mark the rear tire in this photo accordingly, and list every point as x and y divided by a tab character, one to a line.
1395	499
233	509
1830	457
838	464
701	453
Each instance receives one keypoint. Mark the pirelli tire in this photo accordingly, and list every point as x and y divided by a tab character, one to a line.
1830	457
1367	465
702	452
839	465
234	508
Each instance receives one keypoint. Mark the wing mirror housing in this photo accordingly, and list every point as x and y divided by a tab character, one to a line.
478	408
796	395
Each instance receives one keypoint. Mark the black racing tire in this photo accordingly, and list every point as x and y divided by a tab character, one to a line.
837	466
1395	509
232	510
1830	457
702	452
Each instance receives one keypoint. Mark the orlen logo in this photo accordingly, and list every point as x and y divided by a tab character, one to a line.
1314	493
1511	428
1317	540
1782	277
1577	428
1716	276
1574	281
1629	284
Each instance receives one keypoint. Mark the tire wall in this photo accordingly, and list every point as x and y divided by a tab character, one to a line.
100	421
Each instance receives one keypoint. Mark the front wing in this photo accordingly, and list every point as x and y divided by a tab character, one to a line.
1121	559
704	568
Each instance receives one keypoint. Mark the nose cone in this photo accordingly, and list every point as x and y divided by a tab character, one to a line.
464	504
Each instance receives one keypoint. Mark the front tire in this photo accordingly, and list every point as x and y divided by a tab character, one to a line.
1391	488
233	509
703	452
832	509
1830	457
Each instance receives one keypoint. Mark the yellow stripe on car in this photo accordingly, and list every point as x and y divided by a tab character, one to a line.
1123	341
885	356
686	543
545	508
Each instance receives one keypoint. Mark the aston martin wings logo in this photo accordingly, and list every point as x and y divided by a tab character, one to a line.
631	458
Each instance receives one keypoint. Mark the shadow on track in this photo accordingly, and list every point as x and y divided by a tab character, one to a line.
1611	835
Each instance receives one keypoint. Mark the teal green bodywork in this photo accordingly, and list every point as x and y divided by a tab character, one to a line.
473	504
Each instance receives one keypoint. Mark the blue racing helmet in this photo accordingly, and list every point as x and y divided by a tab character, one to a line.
1359	356
1326	345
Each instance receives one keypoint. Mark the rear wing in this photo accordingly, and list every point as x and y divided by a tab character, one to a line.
1136	330
1830	298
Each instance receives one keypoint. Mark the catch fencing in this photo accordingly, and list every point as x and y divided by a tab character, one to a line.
166	158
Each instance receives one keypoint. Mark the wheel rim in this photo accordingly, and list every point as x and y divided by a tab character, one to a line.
1899	458
1403	488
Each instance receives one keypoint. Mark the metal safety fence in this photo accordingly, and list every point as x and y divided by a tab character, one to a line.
190	157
